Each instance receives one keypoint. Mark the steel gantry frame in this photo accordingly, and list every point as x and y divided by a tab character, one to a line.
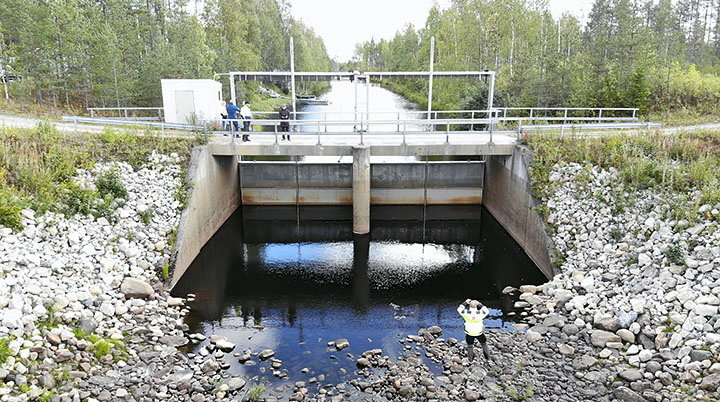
293	76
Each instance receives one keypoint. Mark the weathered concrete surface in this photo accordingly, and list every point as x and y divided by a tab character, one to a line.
462	143
408	183
508	197
215	195
361	190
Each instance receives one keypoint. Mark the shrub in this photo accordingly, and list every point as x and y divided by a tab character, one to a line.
78	200
4	349
109	184
256	392
10	206
675	254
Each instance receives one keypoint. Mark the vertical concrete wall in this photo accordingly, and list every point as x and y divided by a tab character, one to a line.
215	195
508	197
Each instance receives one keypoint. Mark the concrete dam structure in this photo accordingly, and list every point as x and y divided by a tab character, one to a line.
222	181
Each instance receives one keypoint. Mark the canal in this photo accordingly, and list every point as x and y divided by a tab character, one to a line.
294	278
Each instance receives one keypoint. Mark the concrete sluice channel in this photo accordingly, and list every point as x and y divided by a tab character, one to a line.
293	279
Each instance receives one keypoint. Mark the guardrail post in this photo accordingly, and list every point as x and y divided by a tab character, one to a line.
275	127
600	116
92	113
565	116
447	133
318	134
472	117
326	122
398	121
126	113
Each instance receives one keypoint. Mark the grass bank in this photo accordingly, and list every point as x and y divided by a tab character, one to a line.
37	166
684	164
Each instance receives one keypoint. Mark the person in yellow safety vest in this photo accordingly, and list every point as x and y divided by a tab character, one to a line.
474	312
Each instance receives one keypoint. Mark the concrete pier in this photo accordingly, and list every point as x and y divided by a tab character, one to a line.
361	190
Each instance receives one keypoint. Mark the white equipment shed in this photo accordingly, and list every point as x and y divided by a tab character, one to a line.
191	101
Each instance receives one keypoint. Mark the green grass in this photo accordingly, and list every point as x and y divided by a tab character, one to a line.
675	254
679	163
145	216
4	350
166	271
256	392
37	166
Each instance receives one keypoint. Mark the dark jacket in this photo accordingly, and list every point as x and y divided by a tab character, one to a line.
232	111
284	114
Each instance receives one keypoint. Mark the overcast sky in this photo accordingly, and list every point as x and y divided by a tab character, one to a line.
343	23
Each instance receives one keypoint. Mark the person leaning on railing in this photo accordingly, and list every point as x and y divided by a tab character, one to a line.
232	111
284	124
247	116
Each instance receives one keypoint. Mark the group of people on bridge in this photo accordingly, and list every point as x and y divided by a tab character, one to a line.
231	114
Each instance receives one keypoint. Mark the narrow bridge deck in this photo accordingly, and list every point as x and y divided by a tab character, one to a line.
380	144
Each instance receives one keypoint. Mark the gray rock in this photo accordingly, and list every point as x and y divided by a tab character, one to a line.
627	395
47	381
700	355
87	325
266	354
363	362
471	395
710	383
600	338
631	375
174	341
611	324
63	355
583	362
653	366
136	288
210	366
235	383
225	346
53	338
570	329
341	344
180	376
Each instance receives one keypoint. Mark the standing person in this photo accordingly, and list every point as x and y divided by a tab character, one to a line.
247	116
232	114
284	124
473	312
223	115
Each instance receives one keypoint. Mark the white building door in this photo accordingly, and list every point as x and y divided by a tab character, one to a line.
184	106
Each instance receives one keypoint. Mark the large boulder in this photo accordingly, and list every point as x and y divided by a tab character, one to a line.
600	338
135	288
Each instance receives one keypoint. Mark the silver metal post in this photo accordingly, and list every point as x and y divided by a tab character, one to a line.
600	116
355	80
491	91
398	121
326	122
292	76
472	117
432	69
367	102
233	99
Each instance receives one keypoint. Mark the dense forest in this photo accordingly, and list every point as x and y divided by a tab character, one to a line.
114	52
659	55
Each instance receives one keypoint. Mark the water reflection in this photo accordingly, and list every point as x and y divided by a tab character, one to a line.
307	280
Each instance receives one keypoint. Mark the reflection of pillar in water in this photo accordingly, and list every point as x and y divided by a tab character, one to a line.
360	281
257	314
292	314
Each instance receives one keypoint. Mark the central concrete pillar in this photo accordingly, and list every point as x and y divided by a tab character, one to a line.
361	190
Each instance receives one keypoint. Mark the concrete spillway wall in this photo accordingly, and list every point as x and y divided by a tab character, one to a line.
414	183
214	196
509	199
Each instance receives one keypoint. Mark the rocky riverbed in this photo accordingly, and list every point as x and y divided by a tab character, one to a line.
83	310
632	313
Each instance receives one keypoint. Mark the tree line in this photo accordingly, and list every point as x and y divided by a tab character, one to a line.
113	53
657	55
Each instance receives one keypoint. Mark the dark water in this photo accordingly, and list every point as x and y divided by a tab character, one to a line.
304	277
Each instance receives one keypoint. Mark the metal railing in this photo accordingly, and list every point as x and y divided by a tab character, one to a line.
500	120
130	113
